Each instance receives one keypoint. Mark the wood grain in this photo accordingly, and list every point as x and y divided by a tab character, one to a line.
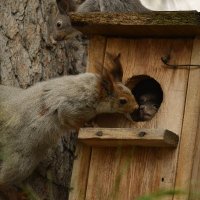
106	137
186	159
80	173
126	173
158	23
82	164
96	54
195	183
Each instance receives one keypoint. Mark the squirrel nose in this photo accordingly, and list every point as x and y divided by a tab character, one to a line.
142	107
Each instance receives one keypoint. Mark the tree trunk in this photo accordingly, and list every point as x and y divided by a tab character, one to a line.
27	56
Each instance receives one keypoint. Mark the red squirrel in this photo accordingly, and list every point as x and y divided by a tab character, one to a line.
32	120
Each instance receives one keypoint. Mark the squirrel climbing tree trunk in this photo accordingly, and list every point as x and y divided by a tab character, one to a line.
27	56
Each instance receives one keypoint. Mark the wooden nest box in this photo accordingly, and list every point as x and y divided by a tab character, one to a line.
121	160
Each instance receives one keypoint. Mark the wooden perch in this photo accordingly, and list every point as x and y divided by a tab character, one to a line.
157	23
128	137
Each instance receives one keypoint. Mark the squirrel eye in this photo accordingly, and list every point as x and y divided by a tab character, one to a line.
123	101
59	24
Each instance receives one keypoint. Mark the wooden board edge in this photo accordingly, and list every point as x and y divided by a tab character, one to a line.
189	136
128	137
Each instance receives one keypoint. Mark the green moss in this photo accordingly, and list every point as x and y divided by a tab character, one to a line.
162	193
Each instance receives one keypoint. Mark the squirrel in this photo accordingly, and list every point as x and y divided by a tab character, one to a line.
149	96
148	107
112	6
62	29
32	120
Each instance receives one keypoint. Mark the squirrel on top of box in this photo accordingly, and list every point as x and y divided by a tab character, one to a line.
112	6
32	120
61	25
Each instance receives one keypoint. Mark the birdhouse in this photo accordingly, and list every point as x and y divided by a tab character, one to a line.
122	160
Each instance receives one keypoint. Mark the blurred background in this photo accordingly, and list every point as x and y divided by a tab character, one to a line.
172	4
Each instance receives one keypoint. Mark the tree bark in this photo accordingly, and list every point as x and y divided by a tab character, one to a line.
27	56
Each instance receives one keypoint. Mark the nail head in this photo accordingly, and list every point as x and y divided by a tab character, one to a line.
142	134
99	133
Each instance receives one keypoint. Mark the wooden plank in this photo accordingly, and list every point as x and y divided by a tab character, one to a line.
147	18
96	53
190	128
157	23
195	178
127	137
82	164
80	172
134	171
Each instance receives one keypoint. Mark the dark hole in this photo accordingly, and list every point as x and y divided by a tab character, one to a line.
162	179
149	96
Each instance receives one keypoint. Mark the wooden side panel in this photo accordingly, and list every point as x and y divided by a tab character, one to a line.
195	178
80	172
126	173
82	163
190	130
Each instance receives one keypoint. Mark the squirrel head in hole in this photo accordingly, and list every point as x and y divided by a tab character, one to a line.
149	96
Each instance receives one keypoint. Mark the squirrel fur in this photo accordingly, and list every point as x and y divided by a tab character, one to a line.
112	6
32	120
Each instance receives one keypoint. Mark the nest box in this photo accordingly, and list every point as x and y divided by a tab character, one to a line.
120	160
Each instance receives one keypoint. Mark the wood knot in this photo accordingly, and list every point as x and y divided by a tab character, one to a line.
142	134
99	133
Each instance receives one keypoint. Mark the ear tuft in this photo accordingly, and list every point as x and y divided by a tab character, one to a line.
64	6
115	67
107	83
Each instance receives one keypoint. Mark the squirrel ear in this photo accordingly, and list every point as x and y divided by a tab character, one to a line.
63	6
107	83
115	66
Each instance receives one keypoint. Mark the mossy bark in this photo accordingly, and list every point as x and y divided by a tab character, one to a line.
149	24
